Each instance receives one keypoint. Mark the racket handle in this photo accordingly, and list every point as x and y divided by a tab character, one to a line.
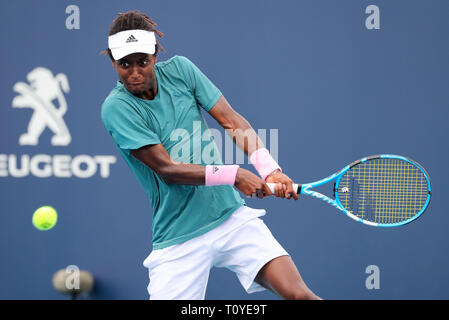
296	187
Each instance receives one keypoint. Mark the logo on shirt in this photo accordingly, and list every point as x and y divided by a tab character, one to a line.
131	39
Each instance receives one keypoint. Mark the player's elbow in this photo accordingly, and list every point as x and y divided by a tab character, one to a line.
237	122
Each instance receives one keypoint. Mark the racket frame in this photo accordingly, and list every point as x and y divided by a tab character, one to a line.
307	189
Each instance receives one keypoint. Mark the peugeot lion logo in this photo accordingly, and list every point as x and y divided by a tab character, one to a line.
45	95
38	95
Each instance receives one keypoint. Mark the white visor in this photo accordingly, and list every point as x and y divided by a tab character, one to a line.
131	41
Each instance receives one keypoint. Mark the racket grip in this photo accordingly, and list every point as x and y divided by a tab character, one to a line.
296	187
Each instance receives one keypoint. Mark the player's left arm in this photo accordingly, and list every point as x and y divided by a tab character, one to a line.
247	139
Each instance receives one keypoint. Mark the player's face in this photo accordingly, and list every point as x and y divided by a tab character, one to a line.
136	72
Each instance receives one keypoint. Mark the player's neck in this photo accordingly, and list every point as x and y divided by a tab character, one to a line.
151	93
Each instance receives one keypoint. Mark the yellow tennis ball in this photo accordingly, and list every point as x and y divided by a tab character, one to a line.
45	218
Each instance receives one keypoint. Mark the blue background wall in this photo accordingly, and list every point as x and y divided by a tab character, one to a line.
335	90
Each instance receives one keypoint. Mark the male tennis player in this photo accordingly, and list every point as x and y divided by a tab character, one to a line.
199	219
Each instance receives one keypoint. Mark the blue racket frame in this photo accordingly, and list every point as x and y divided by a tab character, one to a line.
307	189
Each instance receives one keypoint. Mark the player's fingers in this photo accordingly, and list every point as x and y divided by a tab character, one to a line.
290	192
266	190
295	195
279	190
287	191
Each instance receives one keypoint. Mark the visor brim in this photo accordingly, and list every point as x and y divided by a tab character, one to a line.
122	52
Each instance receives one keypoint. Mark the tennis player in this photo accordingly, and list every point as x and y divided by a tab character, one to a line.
199	220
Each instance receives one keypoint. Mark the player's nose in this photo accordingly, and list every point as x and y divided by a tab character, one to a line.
135	73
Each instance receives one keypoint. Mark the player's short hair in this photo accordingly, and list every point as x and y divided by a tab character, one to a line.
132	20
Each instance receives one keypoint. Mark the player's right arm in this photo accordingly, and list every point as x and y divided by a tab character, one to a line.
157	159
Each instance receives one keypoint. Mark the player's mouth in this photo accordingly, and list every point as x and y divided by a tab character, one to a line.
135	86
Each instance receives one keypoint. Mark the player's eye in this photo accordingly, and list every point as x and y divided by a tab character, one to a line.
123	64
144	62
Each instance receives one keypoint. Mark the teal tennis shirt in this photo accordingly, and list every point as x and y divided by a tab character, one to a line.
173	118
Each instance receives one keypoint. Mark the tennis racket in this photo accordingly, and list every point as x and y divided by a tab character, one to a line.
381	190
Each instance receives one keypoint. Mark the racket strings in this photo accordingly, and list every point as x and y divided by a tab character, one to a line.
384	190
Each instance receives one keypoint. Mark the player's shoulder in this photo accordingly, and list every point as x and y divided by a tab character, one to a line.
175	63
118	98
117	95
174	60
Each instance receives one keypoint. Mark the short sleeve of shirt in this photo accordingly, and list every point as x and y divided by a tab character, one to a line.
126	125
205	92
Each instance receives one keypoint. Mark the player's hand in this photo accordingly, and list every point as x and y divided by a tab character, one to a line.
248	183
284	185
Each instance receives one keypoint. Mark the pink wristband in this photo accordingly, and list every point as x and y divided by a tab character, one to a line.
221	175
263	162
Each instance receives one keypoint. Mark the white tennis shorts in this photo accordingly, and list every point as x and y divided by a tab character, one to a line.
243	244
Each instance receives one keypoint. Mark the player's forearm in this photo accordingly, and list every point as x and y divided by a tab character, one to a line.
236	126
183	173
243	135
157	159
248	140
211	175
